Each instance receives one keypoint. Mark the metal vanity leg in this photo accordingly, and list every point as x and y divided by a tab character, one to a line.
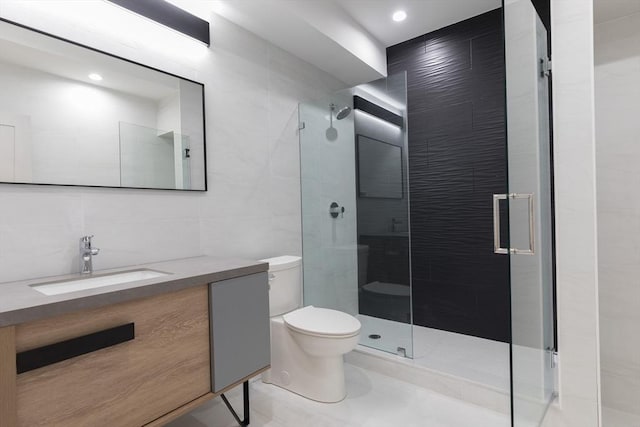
245	397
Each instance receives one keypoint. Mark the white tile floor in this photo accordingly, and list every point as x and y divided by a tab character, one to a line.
373	400
614	418
476	359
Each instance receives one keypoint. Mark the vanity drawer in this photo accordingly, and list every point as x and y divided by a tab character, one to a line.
165	366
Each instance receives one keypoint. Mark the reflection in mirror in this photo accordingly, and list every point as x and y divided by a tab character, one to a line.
379	169
70	115
153	158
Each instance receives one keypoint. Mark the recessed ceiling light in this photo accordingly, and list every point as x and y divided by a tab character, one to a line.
399	15
95	76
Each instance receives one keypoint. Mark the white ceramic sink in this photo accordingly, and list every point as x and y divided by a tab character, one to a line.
92	282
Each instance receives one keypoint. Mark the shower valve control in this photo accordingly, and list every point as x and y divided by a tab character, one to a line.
335	210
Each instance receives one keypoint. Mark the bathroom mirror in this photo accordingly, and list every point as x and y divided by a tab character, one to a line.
72	115
379	169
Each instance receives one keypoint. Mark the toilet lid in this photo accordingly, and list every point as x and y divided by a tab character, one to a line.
322	321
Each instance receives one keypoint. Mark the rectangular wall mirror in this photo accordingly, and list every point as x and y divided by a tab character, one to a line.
379	169
72	115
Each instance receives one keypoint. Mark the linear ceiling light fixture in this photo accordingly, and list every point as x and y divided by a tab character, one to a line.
375	110
170	16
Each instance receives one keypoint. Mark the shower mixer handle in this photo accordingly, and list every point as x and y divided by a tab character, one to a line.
335	210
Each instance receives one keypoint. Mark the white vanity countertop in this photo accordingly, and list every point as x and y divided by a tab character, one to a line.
20	302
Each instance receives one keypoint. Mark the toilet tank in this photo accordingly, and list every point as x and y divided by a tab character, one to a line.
285	284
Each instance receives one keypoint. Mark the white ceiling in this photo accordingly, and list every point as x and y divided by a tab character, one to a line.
606	10
346	38
318	32
423	16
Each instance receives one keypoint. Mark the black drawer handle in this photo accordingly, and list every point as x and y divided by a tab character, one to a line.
53	353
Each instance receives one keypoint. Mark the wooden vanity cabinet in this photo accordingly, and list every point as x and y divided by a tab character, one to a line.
186	347
166	365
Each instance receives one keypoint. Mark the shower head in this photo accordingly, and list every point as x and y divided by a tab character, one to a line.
343	112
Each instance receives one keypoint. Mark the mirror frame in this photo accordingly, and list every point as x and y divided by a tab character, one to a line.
204	126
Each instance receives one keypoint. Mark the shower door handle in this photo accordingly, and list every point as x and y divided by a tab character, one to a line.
532	223
496	223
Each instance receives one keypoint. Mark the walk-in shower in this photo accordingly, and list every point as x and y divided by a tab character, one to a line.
418	220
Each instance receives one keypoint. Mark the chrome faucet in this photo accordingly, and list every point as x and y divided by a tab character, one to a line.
86	255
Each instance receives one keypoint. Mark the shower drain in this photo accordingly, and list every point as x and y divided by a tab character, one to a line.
375	336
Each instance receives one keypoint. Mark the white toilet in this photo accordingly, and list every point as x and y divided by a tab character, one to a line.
307	344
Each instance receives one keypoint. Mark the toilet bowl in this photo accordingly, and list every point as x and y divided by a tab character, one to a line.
307	343
322	332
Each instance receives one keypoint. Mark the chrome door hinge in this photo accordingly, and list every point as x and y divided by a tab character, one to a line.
545	67
553	357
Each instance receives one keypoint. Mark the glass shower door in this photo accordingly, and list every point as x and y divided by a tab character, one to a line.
529	201
355	230
327	177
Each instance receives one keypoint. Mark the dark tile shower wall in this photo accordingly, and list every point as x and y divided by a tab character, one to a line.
457	161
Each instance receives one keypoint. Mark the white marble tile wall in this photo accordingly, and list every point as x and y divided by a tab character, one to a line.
617	77
575	195
614	418
252	208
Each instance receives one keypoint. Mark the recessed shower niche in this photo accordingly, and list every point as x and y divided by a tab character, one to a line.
72	115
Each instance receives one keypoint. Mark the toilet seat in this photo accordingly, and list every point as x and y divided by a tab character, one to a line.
322	322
